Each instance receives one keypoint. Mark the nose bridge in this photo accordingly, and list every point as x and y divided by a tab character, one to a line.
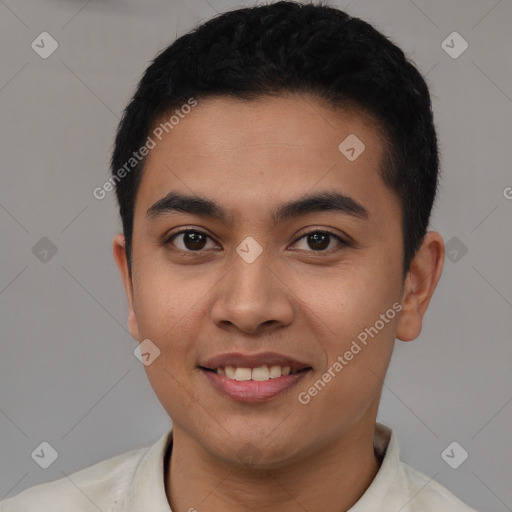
249	277
251	295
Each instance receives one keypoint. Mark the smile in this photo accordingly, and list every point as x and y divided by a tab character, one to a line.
260	374
253	377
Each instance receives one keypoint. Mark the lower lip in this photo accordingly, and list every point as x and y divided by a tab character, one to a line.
251	390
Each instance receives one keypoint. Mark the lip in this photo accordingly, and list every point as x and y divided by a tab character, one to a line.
252	361
249	390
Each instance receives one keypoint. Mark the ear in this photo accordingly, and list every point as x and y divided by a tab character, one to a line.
118	247
419	286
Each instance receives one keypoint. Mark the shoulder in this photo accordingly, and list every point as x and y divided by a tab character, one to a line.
425	494
399	486
95	487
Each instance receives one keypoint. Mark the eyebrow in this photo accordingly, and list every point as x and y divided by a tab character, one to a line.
312	203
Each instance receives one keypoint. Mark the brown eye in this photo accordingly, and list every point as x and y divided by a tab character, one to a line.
189	240
320	241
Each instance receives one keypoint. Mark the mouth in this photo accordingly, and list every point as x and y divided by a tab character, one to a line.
258	374
253	378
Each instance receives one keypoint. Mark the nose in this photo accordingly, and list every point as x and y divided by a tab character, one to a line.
252	297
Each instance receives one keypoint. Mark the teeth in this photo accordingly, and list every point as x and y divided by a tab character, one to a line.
230	372
275	371
261	373
243	374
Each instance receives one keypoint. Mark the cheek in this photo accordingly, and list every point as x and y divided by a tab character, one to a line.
351	298
166	313
162	302
360	310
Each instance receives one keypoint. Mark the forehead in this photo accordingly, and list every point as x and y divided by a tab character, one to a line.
263	152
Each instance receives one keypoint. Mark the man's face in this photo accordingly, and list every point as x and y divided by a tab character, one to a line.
245	284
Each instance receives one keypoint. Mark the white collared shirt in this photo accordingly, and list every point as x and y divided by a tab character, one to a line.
134	482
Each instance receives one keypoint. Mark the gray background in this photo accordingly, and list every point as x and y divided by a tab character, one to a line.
68	373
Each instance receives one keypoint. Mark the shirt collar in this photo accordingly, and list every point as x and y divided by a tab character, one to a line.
386	448
147	488
146	491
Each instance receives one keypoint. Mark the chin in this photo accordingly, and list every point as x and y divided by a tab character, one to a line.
253	451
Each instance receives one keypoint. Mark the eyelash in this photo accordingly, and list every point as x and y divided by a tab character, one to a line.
344	243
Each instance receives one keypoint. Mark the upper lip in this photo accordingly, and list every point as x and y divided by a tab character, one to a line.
252	361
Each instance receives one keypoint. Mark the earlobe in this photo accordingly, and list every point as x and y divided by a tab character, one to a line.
421	281
118	248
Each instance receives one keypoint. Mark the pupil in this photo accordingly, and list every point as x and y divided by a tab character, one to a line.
315	238
193	240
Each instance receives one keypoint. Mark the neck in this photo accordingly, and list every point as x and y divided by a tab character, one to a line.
340	473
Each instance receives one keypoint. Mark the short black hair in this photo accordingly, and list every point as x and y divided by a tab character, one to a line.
288	47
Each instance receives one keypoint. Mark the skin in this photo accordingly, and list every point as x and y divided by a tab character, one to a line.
294	298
